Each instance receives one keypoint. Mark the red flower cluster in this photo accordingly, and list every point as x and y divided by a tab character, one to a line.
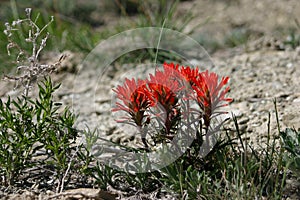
209	94
136	99
163	88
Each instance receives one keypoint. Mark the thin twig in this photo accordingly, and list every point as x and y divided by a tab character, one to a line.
69	166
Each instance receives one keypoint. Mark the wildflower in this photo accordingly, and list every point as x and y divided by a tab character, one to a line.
185	73
189	74
209	94
164	88
171	66
135	98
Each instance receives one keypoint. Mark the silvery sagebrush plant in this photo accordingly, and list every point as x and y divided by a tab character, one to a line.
28	62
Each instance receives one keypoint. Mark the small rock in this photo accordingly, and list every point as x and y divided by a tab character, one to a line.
289	65
244	120
243	128
297	100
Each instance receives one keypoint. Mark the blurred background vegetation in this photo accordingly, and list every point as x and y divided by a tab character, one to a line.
79	25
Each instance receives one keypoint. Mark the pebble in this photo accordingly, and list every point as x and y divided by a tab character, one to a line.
297	100
243	120
243	128
289	65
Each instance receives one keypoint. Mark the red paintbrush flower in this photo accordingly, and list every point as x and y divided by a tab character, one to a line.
209	94
188	73
165	87
163	90
171	66
135	98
